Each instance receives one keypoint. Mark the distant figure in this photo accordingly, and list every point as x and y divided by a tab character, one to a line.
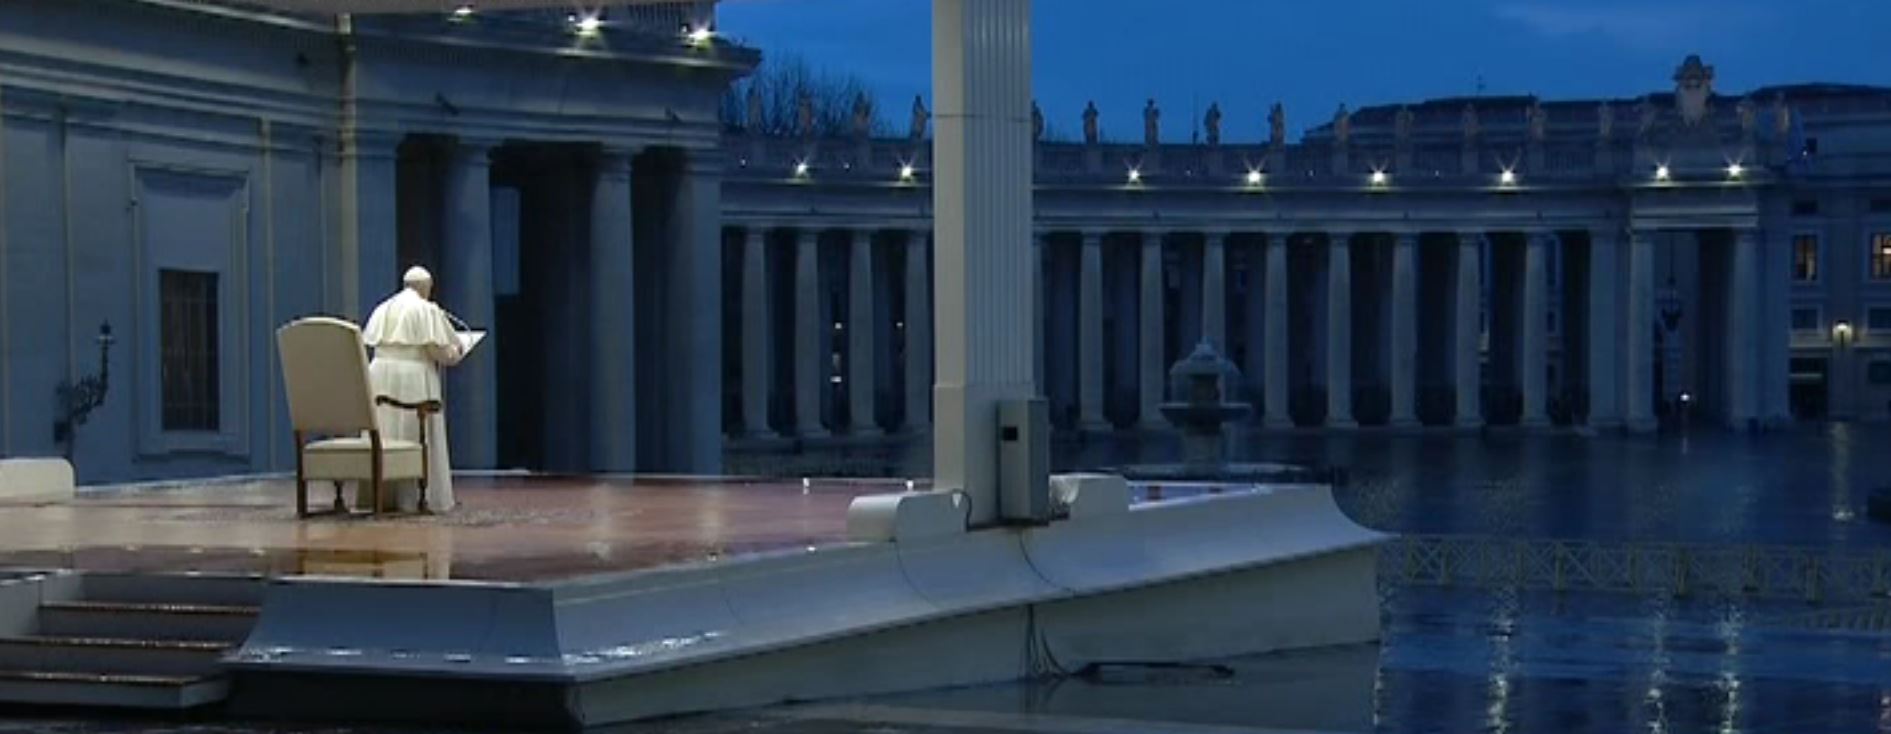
1342	125
754	109
1647	113
863	115
1605	121
1037	122
1782	115
920	117
1151	124
804	114
413	338
1469	121
1539	121
1402	125
1277	125
1090	123
1212	123
1749	114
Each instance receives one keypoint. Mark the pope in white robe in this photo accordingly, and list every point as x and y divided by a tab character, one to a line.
413	338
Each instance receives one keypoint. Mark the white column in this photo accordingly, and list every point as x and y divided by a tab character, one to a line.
1468	356
1149	347
1742	323
1639	333
860	343
757	360
1339	331
369	223
982	151
1215	291
810	363
466	290
1605	323
1274	387
1404	362
1090	335
693	347
613	429
918	331
1534	345
1776	347
1040	248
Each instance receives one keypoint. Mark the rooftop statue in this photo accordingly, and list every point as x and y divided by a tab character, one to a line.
1037	122
1090	123
920	117
1402	125
1212	123
1749	114
804	114
1277	125
1605	120
1151	124
1782	115
1645	112
863	115
1342	125
1693	89
1539	119
754	109
1469	121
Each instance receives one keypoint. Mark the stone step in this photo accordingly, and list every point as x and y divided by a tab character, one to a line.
44	688
196	589
112	656
147	621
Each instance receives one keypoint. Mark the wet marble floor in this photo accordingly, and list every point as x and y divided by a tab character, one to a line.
504	529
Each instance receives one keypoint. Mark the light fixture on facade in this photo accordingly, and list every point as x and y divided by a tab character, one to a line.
1661	172
699	36
907	172
587	25
1735	170
1135	175
463	12
800	169
1378	178
1254	178
1507	178
1842	333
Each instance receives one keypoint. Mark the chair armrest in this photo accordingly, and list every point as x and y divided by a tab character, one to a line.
424	407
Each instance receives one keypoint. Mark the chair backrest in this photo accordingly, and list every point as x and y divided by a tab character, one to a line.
325	372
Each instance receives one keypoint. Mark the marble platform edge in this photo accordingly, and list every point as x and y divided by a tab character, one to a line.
599	628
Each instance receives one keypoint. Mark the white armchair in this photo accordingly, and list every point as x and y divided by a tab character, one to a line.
331	406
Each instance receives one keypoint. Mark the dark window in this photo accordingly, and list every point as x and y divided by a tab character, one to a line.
1881	256
1878	317
1805	319
1812	146
1880	373
187	306
1880	205
1806	208
1806	258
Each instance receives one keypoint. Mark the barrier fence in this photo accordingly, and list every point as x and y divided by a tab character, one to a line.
1814	575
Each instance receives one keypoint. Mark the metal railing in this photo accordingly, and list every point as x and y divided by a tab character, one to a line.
1813	575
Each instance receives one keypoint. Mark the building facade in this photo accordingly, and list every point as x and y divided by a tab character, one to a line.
1683	256
192	175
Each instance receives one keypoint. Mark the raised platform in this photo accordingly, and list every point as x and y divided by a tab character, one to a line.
579	602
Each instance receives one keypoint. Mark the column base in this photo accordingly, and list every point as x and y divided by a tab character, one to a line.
1153	426
916	429
1342	424
874	432
1642	425
1534	422
1604	423
807	433
1469	424
1404	423
1277	423
1095	425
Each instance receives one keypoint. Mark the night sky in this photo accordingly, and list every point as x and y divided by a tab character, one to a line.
1312	56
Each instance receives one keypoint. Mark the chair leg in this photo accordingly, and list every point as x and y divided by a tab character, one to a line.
340	506
301	496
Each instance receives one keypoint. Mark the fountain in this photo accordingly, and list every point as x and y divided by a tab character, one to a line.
1199	406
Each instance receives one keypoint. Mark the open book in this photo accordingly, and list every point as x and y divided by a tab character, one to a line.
470	339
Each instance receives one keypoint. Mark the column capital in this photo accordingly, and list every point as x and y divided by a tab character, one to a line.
367	143
1093	235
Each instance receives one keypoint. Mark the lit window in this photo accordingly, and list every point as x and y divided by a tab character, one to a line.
187	333
1806	319
1881	256
1806	258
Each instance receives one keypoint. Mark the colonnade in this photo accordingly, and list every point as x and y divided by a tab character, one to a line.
1330	327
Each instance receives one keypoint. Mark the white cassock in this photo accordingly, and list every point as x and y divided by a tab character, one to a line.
412	340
